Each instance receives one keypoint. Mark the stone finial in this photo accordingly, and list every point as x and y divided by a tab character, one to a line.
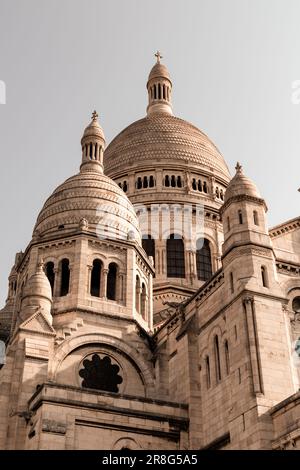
158	57
40	266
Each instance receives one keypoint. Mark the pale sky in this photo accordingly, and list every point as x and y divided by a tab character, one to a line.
232	63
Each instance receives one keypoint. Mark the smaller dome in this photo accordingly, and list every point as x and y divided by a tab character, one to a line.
159	71
241	185
94	129
38	285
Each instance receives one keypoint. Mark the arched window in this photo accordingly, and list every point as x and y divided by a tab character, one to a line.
175	257
179	184
143	300
149	245
240	216
296	304
50	274
205	186
155	94
217	192
151	181
217	358
199	185
111	291
96	278
226	353
167	181
65	277
203	260
221	195
137	294
255	218
96	150
125	187
207	372
145	182
264	277
194	185
173	181
91	151
159	91
139	183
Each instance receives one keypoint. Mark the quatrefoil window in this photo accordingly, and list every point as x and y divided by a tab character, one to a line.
100	374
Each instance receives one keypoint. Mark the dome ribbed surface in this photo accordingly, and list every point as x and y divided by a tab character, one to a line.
241	185
159	71
94	197
38	285
94	130
161	137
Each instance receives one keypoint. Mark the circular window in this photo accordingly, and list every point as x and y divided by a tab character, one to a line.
296	304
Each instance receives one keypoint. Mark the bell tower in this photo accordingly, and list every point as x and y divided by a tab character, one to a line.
93	144
159	88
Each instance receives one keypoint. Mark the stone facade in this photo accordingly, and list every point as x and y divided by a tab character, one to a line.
118	340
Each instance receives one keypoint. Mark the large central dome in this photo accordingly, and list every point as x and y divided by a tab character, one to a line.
162	136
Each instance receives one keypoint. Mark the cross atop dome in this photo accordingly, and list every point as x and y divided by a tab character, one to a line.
239	168
158	57
95	116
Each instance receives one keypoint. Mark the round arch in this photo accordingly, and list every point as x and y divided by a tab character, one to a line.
70	345
126	443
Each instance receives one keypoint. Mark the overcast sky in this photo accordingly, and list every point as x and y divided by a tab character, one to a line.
232	63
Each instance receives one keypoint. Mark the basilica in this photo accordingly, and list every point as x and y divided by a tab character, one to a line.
153	308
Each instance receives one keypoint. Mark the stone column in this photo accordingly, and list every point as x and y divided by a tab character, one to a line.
89	279
103	283
57	281
120	286
252	341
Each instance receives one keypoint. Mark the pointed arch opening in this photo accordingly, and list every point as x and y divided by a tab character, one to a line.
175	257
